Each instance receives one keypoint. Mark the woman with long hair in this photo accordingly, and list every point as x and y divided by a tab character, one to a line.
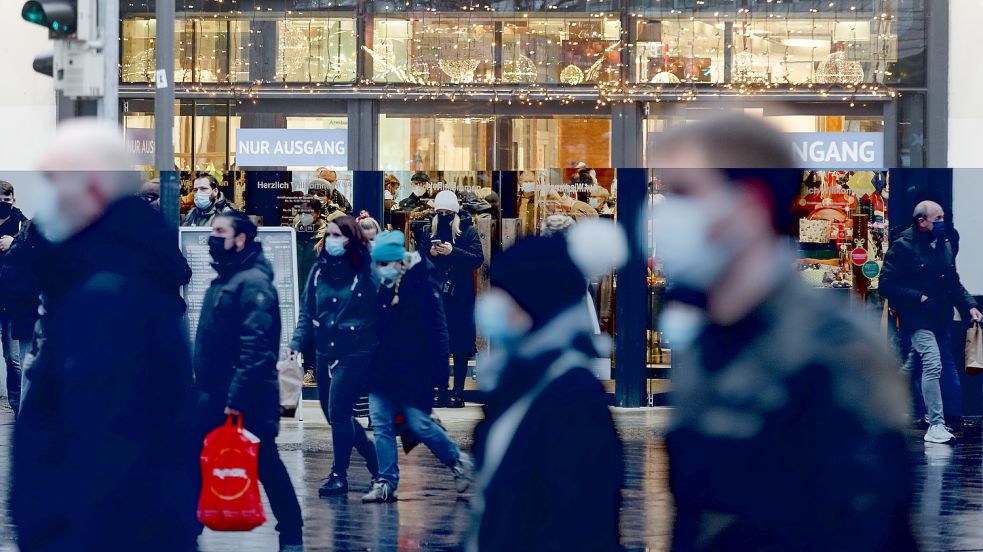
338	313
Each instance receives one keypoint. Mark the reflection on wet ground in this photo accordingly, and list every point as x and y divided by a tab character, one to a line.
430	515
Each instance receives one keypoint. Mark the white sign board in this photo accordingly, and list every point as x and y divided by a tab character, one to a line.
839	150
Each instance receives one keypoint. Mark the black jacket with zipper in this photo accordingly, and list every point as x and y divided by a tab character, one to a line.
913	268
238	343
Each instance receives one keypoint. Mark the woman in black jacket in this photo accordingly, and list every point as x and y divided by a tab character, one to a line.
454	248
338	314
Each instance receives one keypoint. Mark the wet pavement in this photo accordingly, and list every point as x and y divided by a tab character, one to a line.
431	516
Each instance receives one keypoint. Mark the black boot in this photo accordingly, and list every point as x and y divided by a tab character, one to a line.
334	486
456	401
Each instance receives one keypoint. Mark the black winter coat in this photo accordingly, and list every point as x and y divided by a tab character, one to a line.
337	311
103	448
238	344
558	485
203	218
20	280
455	274
913	268
412	338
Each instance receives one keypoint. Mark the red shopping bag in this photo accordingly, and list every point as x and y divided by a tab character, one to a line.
230	499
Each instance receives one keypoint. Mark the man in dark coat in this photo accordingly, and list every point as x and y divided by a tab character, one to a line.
453	245
236	351
550	463
788	431
209	202
413	333
11	223
921	282
103	455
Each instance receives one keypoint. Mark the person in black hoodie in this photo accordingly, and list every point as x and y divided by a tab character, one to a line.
550	463
11	222
453	246
235	358
103	452
415	334
338	316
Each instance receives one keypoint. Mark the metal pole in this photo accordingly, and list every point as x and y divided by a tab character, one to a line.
164	114
109	36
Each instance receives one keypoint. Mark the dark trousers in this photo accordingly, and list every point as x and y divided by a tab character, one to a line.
338	391
11	358
460	371
283	500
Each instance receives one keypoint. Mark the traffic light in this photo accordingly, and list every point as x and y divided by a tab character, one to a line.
59	16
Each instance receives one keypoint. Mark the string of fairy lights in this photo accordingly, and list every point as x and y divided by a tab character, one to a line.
831	48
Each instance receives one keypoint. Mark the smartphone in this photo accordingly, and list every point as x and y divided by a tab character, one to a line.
436	242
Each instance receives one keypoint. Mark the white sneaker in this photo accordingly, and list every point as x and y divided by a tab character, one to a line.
938	434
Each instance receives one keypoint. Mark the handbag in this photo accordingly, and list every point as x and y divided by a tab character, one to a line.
291	379
230	499
974	350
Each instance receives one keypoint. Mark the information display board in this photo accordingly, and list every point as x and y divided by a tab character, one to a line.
279	246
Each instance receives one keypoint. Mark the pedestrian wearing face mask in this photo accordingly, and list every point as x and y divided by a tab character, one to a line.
788	431
12	220
370	228
310	225
550	463
921	281
336	202
419	192
412	321
106	428
236	351
452	244
209	202
338	315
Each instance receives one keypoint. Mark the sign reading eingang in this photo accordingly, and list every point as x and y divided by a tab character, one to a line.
839	150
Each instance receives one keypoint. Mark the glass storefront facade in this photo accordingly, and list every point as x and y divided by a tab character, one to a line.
508	92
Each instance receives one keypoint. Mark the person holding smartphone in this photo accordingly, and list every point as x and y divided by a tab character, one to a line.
454	248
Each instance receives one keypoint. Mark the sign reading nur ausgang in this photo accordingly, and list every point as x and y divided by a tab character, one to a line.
839	150
283	147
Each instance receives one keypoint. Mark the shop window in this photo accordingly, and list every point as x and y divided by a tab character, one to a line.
432	50
568	51
137	49
431	143
542	143
316	50
138	129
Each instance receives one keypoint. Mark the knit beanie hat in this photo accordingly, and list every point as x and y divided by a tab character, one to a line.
446	200
389	246
547	275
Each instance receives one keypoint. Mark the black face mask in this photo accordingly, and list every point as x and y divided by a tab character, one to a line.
6	209
445	220
216	248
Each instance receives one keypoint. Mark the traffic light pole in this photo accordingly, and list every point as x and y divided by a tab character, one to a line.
164	114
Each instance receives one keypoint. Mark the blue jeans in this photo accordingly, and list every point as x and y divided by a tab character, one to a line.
935	377
383	412
338	391
11	357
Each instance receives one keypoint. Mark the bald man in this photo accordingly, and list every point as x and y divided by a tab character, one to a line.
922	284
103	455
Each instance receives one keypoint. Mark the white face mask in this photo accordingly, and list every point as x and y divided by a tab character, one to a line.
54	225
681	325
306	219
594	202
419	191
682	239
528	187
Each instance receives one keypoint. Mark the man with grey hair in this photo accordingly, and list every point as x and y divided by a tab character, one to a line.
104	456
921	282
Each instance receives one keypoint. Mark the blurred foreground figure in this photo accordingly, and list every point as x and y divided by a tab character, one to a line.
103	455
550	460
788	420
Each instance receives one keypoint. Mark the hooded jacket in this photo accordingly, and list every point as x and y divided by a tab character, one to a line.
547	449
204	217
238	344
107	421
12	226
912	268
412	337
455	275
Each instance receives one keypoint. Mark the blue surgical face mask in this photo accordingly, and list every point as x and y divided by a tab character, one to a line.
938	229
335	245
203	200
492	320
387	274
